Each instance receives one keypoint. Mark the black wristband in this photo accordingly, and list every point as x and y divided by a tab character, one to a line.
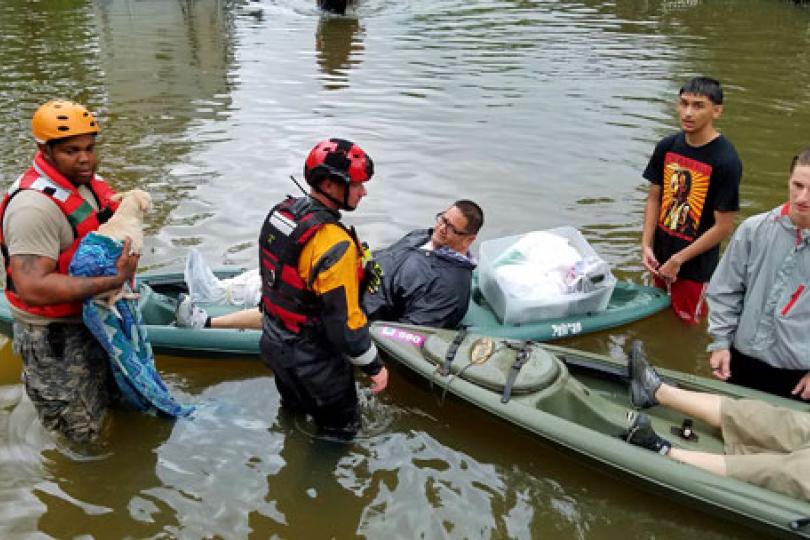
373	367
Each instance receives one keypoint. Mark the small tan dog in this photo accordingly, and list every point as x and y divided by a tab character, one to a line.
127	222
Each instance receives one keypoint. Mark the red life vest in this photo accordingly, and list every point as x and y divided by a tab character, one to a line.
44	178
286	230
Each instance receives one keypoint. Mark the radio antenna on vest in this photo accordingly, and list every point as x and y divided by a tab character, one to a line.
305	192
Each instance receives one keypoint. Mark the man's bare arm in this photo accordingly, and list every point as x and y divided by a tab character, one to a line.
38	283
651	210
722	229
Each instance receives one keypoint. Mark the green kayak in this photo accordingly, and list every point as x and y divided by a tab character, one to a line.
629	302
159	291
578	401
158	299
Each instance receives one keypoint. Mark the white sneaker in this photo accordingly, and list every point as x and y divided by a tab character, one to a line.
189	315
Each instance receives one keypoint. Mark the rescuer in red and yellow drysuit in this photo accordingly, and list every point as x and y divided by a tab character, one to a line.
314	331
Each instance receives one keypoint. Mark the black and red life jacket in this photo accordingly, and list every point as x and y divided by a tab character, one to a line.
289	226
81	215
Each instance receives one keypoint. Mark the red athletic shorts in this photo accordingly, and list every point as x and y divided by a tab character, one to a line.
688	298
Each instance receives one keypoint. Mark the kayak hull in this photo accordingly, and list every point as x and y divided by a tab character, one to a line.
158	303
629	302
582	409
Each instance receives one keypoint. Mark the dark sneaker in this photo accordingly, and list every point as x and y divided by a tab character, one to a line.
644	380
188	314
641	433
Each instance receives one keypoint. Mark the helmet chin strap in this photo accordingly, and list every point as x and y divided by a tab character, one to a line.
346	199
344	204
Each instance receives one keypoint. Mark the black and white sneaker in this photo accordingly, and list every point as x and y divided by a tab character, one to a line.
641	433
644	380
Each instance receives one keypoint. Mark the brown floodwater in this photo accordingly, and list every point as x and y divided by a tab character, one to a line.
543	111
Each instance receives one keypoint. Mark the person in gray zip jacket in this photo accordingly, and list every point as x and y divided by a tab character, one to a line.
427	273
759	302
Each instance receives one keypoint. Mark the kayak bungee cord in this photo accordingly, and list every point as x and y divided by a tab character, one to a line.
521	357
481	351
443	369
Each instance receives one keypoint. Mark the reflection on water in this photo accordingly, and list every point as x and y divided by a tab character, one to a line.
167	68
338	42
417	483
149	69
213	470
543	111
21	462
50	49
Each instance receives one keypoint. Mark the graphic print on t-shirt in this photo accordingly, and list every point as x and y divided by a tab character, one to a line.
684	188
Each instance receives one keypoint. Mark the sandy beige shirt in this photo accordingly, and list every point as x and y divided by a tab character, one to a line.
34	225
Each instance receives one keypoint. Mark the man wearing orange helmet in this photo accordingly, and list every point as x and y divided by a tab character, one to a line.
44	216
313	330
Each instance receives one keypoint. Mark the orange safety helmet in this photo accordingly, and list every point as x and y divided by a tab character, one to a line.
60	118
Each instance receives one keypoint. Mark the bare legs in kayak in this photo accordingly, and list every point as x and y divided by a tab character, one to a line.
648	390
764	444
190	315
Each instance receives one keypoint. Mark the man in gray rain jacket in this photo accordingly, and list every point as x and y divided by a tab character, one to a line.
427	274
759	299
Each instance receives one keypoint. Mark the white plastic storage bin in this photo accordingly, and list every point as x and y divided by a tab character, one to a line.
515	309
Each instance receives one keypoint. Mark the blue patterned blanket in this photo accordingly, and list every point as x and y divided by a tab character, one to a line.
124	338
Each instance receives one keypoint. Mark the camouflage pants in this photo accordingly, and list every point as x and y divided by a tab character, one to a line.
67	377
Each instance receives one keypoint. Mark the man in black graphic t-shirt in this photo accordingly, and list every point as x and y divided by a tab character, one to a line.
693	199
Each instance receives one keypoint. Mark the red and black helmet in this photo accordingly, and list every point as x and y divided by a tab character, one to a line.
338	158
